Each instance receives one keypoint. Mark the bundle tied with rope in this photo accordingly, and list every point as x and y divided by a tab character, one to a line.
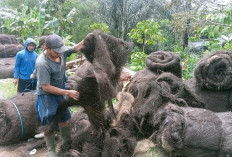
214	72
193	131
97	80
8	39
18	118
9	50
6	67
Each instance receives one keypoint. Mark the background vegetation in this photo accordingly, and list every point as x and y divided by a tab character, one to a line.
7	88
170	25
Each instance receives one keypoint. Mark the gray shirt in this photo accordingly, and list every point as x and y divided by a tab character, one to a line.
50	72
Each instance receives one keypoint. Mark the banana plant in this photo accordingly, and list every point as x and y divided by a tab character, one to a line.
32	22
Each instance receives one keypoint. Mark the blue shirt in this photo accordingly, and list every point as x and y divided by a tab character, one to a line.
25	61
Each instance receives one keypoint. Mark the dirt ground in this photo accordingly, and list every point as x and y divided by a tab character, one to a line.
23	149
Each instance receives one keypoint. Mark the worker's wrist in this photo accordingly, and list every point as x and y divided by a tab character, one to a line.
66	93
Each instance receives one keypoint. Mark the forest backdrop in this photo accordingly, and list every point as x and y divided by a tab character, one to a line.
191	28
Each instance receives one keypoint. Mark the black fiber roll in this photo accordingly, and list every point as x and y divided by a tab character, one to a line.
214	71
164	61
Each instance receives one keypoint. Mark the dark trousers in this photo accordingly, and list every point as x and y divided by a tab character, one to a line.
25	85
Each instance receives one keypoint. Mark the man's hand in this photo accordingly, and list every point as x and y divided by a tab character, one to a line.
15	81
73	94
32	76
79	46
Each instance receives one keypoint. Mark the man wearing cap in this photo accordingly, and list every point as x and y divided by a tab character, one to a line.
42	42
50	72
42	46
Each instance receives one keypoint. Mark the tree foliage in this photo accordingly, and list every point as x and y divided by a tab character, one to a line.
178	21
147	32
123	15
101	26
34	22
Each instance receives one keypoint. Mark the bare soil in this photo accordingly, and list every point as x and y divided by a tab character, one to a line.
23	149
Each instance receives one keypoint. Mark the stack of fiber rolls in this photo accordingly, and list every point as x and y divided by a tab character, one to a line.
9	46
200	131
18	118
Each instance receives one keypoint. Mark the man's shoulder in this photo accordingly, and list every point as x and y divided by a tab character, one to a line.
40	59
21	52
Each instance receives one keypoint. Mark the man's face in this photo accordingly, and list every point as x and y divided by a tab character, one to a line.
43	46
53	53
30	47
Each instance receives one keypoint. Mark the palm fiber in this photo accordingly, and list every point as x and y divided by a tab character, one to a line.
193	131
214	71
86	140
164	61
6	67
10	50
97	80
10	124
214	100
8	39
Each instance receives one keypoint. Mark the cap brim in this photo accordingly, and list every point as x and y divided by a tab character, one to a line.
61	49
39	46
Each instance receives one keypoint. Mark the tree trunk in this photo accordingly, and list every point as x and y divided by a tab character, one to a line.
123	19
186	34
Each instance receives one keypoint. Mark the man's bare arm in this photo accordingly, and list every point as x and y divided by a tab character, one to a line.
58	91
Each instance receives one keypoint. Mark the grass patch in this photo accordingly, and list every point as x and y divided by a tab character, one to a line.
7	88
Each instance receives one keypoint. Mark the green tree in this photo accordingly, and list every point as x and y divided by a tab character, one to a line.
101	26
216	24
123	15
27	22
147	33
34	22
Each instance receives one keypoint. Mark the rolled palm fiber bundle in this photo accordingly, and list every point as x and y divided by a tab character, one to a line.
6	67
97	80
18	118
9	50
193	131
214	71
164	61
214	100
174	88
8	39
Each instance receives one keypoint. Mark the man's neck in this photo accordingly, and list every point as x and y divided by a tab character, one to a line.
55	59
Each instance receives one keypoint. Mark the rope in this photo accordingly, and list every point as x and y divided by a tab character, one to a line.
5	50
26	89
17	47
19	117
10	40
